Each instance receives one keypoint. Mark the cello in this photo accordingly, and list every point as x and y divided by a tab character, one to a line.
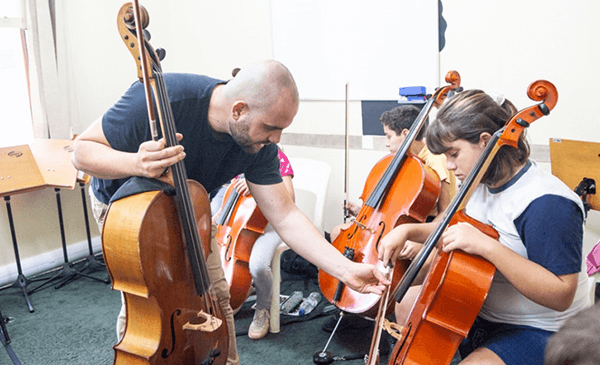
239	224
155	244
400	189
457	284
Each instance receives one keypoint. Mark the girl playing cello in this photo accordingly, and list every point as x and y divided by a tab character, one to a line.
540	222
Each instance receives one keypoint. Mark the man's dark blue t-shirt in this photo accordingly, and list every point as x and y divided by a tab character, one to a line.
211	159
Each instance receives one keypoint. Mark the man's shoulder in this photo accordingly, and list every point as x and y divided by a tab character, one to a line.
188	85
183	78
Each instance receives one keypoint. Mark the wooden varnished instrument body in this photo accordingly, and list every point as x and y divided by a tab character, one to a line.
155	245
147	261
412	195
239	223
447	305
399	189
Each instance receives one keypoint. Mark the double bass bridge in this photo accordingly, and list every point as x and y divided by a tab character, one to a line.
210	324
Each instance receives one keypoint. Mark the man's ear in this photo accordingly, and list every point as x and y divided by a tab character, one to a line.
405	132
238	108
484	138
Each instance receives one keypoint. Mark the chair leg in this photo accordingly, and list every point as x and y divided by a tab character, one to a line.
593	279
274	324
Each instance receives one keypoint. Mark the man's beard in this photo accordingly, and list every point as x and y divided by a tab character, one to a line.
241	136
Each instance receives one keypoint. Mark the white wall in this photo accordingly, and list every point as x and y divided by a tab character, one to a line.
505	45
501	45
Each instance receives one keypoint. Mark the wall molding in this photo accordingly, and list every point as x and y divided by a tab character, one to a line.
48	261
539	153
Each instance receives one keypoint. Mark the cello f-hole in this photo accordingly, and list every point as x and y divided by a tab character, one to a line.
228	255
350	235
382	226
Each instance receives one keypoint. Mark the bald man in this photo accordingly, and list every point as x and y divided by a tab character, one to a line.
225	129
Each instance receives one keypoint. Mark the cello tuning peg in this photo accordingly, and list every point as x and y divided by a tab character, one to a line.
235	71
161	53
147	35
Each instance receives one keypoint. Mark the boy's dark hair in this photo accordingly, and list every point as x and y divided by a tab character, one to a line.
468	114
402	117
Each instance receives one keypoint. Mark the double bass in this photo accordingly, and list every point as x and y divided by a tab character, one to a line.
239	224
155	243
457	284
400	189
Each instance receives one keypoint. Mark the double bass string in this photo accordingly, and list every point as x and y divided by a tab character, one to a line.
186	213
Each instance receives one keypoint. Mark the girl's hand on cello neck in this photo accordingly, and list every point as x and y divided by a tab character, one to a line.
241	186
467	238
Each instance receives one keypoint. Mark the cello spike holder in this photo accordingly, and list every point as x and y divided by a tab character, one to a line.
67	272
326	357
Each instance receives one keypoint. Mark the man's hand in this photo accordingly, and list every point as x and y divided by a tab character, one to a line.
153	157
366	278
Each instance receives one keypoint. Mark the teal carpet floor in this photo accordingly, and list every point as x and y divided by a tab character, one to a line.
75	325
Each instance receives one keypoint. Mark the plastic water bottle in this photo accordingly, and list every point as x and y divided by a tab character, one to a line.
309	303
292	302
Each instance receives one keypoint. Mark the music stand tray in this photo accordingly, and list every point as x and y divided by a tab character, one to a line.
19	173
572	161
54	159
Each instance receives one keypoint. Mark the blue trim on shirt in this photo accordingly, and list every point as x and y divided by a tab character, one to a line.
512	180
551	229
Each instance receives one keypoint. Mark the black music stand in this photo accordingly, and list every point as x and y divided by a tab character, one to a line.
54	159
19	173
6	340
92	263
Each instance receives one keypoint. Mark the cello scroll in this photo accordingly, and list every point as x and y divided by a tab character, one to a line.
540	90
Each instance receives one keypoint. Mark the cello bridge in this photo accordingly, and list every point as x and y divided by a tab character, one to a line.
362	226
210	324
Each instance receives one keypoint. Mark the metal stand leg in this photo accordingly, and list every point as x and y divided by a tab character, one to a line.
92	263
6	340
22	281
67	273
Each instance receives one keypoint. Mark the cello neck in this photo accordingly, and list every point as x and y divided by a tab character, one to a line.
436	99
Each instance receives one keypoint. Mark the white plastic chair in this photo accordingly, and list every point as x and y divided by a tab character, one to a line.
593	279
311	178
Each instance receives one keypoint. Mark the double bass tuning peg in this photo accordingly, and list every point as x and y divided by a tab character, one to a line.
161	53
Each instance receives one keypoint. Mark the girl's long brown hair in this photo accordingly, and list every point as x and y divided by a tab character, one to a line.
468	114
